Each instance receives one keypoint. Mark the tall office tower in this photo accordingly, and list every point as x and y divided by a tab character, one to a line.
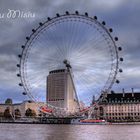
61	90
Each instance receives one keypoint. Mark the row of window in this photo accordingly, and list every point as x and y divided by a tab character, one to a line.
123	108
112	111
122	118
125	101
55	99
117	114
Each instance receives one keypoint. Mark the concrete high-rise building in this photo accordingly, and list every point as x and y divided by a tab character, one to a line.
61	91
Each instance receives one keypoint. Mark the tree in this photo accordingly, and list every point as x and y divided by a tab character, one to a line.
17	113
30	113
1	114
7	113
8	101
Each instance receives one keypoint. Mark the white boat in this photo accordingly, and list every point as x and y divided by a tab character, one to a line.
88	121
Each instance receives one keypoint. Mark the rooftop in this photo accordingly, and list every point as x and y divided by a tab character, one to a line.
122	98
57	71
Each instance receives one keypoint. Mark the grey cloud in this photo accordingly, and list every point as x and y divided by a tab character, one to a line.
122	15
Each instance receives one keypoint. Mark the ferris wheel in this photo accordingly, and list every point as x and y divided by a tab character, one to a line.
74	42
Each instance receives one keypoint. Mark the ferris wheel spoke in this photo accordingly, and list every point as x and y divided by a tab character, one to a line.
74	30
32	78
95	45
38	57
57	46
94	80
36	83
90	61
85	82
86	51
48	63
84	40
71	29
87	93
43	74
84	44
87	46
63	38
50	39
73	36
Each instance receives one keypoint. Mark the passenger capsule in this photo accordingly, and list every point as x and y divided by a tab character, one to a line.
86	14
76	12
120	48
20	84
27	38
24	93
22	46
95	17
18	75
110	30
40	23
121	59
120	70
103	23
49	18
57	14
29	101
33	30
116	38
18	65
67	13
19	55
117	81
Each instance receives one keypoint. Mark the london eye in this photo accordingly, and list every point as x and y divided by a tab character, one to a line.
75	42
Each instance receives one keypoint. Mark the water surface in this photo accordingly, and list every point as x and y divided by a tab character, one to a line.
68	132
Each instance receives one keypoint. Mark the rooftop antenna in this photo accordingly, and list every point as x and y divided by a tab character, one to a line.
132	90
123	92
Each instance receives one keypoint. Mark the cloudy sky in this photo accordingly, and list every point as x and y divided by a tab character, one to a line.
121	15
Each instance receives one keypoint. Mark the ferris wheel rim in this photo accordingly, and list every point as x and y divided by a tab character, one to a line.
113	72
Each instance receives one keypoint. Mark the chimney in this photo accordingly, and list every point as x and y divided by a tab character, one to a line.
132	92
123	92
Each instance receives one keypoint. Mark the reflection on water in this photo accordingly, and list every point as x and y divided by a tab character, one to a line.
68	132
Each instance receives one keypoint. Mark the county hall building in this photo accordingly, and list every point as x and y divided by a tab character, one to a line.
119	107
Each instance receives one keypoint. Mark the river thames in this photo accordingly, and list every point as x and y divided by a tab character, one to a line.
68	132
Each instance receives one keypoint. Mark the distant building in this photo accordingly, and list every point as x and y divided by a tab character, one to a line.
61	91
21	106
119	107
93	99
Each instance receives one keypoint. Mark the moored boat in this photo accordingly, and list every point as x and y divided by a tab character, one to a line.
88	121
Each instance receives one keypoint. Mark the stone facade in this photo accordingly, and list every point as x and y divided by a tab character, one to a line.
119	107
21	106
